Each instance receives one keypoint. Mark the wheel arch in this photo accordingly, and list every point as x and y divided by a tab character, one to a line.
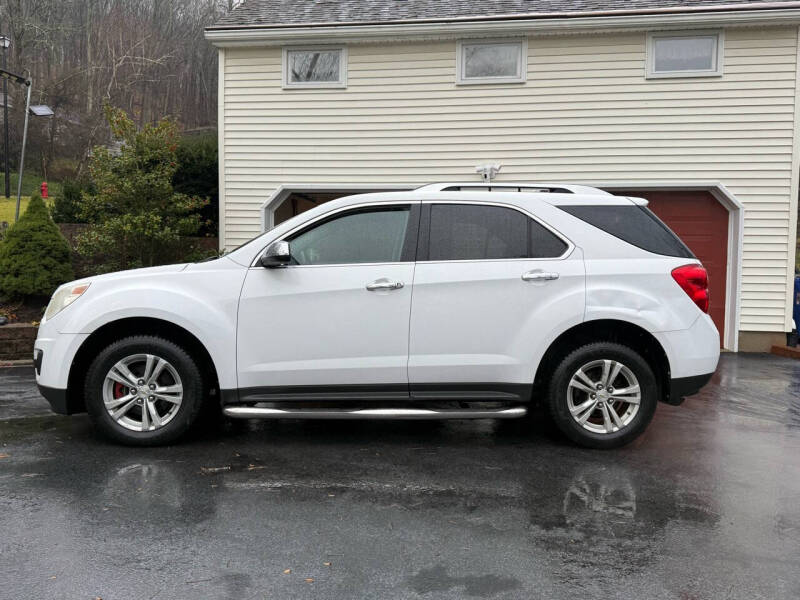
604	330
120	328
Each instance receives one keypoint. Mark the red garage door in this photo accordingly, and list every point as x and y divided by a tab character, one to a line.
702	223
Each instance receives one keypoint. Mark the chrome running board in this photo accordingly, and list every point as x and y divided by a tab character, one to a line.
257	412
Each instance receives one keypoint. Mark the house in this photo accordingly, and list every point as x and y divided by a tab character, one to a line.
689	103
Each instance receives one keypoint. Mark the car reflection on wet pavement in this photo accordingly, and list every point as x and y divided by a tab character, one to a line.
705	505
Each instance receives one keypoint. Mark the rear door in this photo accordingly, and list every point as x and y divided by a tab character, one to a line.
491	285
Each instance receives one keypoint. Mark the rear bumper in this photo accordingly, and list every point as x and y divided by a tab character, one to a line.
685	386
692	352
60	401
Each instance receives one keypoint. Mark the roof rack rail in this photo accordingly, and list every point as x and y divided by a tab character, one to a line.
526	187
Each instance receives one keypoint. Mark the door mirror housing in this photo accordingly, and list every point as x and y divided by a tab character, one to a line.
277	254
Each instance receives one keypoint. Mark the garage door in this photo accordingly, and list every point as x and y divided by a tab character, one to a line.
702	223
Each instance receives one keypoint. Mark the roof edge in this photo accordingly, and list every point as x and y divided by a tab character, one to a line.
777	5
774	13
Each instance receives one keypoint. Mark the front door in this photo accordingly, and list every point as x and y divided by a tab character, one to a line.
491	284
334	323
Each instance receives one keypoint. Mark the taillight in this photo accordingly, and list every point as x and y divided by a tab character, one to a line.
693	280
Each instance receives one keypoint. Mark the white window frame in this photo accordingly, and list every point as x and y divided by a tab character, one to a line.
522	70
652	36
292	85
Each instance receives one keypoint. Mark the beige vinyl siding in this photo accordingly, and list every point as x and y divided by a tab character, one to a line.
585	114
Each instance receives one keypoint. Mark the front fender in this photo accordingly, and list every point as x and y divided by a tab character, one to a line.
202	301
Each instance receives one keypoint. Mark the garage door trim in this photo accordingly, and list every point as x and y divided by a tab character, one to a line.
735	237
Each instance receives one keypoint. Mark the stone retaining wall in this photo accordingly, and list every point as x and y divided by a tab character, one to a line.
16	341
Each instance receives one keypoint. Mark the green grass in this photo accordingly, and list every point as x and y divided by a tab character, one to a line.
7	207
31	182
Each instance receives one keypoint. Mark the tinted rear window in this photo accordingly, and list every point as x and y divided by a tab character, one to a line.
475	232
634	224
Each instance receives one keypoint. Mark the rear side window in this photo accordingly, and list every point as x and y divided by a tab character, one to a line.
634	224
475	232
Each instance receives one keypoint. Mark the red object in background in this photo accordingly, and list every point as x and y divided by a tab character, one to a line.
702	223
44	189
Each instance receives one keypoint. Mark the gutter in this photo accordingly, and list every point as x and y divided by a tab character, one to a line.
774	13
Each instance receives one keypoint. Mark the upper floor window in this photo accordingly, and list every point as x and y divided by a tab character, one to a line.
492	62
684	54
314	67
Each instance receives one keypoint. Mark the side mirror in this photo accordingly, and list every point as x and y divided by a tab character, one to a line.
277	254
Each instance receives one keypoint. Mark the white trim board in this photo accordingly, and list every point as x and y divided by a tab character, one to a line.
718	190
221	146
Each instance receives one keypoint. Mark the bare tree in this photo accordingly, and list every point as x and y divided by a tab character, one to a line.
146	56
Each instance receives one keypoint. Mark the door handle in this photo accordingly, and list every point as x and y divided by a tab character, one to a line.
384	284
539	276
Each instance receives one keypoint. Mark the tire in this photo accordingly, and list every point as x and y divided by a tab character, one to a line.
178	391
570	390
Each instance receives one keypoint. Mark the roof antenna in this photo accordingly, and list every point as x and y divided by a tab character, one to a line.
488	171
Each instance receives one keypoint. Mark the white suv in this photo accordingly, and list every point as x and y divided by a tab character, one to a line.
450	301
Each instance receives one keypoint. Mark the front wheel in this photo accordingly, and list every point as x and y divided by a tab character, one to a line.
603	395
144	391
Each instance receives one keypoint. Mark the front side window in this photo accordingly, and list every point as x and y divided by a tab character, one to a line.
684	54
476	232
320	67
491	62
360	236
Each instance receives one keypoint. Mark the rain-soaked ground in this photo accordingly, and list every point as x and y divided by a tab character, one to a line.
705	505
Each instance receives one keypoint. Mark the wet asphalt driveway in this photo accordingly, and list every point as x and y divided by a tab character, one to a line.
705	505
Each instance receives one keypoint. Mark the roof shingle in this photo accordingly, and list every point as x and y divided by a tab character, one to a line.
267	13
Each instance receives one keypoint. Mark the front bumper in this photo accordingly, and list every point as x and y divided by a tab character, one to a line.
53	354
61	401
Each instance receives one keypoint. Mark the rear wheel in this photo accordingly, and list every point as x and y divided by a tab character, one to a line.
603	395
144	391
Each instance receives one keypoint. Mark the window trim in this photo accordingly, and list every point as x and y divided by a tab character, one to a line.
424	237
410	243
719	53
289	85
522	70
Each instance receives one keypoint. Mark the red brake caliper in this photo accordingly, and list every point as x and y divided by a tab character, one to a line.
119	390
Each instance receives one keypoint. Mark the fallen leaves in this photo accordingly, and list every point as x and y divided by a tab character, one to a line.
4	455
207	470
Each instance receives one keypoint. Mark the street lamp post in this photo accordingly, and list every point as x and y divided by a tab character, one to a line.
5	43
41	110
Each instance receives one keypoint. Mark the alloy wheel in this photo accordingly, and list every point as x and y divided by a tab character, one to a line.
603	396
142	392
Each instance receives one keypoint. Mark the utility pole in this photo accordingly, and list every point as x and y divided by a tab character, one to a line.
26	81
5	42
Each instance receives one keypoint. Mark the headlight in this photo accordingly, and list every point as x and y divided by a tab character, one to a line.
63	297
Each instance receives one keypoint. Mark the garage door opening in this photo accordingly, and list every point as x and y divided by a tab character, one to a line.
291	200
707	217
299	202
706	223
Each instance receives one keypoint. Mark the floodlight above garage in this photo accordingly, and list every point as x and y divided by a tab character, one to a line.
42	110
